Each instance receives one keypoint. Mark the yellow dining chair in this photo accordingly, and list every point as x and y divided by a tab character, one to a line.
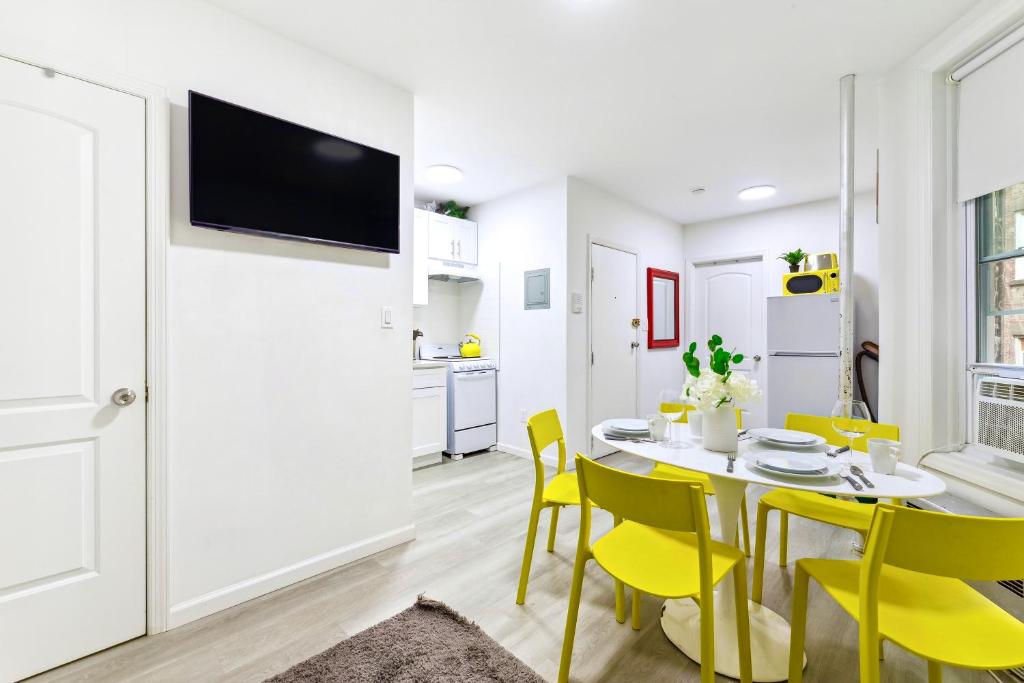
910	589
663	471
544	429
810	505
663	546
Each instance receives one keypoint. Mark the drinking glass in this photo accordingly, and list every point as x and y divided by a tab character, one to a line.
851	419
670	405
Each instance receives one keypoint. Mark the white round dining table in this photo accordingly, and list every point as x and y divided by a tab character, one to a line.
769	631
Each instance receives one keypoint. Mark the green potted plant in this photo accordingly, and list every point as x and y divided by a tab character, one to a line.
794	259
450	208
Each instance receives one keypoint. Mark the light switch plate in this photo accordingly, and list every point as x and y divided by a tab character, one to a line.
386	320
577	302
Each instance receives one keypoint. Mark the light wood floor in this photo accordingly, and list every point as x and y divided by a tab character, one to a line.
472	525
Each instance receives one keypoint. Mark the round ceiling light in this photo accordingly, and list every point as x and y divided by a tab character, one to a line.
757	192
443	173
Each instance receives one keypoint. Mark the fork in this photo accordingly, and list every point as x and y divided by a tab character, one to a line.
731	457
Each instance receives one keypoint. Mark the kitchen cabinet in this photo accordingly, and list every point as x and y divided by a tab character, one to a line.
452	239
429	415
420	248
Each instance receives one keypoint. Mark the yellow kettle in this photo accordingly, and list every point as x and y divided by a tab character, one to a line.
471	347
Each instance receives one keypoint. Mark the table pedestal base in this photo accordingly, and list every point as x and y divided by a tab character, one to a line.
769	638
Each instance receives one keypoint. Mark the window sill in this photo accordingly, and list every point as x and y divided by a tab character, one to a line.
1001	482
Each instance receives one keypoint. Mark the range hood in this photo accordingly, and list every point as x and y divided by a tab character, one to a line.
452	271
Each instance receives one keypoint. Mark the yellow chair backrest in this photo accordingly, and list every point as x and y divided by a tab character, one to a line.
661	503
941	544
544	429
687	408
822	426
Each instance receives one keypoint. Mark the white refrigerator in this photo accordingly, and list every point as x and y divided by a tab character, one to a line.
803	356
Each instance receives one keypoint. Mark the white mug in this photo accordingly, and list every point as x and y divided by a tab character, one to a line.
885	453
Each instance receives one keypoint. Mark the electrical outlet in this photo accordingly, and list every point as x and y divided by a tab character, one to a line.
386	320
522	416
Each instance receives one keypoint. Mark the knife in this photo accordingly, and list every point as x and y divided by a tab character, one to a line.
853	482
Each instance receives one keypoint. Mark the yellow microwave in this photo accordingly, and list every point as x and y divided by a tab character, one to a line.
812	282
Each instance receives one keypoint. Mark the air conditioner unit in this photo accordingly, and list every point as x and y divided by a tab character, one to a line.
999	417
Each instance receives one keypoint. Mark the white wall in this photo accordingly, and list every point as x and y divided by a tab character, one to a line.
526	231
813	227
596	213
439	320
285	457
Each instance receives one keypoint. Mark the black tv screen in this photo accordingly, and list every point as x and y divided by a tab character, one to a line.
254	173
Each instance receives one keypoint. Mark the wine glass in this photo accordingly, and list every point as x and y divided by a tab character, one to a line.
851	419
670	405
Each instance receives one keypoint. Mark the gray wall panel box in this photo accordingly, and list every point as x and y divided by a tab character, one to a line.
537	289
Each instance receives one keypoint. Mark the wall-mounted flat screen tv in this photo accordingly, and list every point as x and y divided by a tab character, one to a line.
250	172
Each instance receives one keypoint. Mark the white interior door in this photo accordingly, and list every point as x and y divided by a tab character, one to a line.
72	302
728	300
613	338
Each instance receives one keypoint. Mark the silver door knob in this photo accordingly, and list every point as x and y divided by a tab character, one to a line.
757	358
635	345
123	397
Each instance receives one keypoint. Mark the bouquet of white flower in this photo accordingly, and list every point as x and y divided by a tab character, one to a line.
717	385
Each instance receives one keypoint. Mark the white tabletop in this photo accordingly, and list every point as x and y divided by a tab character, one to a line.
906	482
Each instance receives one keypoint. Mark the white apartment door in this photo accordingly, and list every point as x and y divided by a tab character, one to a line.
728	300
72	347
614	340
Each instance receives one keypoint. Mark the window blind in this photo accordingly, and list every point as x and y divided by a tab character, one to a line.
990	135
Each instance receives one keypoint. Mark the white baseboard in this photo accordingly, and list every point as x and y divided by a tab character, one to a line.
229	596
549	460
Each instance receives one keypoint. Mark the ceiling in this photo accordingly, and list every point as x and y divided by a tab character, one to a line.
645	98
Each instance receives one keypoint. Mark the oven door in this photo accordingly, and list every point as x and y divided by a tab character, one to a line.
474	399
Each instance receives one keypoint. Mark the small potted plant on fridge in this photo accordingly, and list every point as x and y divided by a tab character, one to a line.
794	259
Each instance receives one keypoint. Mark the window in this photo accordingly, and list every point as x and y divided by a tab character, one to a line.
999	228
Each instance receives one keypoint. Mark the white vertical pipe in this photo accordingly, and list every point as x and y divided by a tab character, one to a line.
846	304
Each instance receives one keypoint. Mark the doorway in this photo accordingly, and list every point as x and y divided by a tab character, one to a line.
73	368
614	342
727	299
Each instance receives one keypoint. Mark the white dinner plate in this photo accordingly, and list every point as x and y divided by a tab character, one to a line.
785	444
832	470
625	425
790	437
792	463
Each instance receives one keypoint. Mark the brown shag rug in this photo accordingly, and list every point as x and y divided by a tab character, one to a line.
427	643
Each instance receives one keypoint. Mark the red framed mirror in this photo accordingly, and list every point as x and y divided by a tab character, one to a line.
662	308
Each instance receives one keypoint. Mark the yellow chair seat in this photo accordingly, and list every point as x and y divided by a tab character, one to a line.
821	508
663	471
935	617
563	489
649	559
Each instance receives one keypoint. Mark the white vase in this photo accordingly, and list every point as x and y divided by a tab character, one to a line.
720	429
695	419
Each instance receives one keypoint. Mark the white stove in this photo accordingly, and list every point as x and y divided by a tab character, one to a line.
472	399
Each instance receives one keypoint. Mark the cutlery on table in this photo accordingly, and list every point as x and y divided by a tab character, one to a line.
845	474
630	439
732	460
834	452
860	474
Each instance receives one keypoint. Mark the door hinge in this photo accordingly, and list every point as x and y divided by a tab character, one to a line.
591	273
147	393
591	357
